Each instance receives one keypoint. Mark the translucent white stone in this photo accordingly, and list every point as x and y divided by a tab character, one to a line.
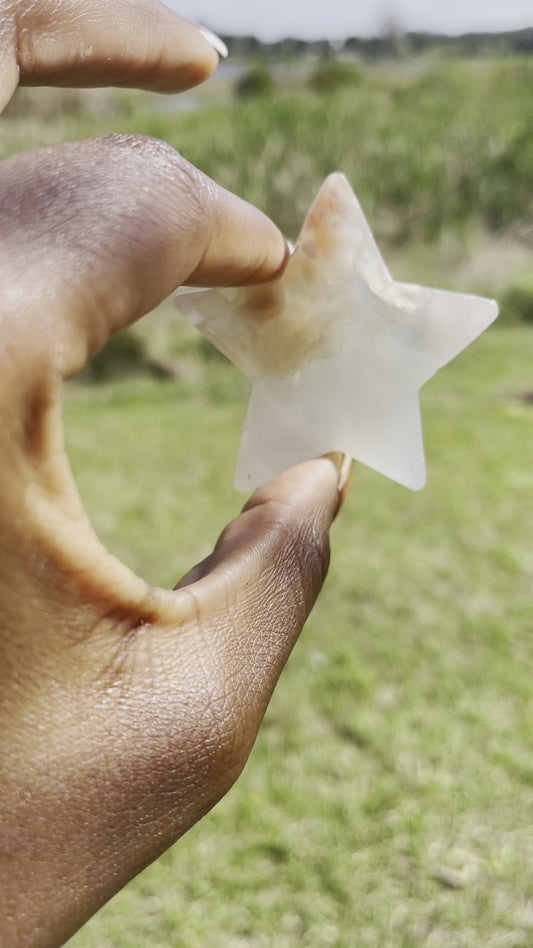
336	351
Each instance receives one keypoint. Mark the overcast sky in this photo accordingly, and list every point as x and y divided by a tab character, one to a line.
272	19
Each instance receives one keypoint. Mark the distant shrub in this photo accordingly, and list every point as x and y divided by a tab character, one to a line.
123	356
517	300
333	74
255	83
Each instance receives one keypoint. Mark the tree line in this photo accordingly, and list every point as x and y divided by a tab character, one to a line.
392	43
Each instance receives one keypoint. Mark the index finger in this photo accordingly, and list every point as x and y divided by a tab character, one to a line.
105	229
134	43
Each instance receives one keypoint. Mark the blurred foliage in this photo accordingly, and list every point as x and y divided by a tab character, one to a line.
427	148
123	356
448	149
334	74
257	82
517	300
129	355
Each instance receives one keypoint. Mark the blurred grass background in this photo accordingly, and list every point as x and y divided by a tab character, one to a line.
389	799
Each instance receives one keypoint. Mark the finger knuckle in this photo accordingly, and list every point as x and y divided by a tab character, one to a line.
155	171
159	159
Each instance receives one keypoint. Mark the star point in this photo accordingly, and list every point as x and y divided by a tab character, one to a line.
336	350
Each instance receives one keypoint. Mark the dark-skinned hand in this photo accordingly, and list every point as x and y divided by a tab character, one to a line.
126	711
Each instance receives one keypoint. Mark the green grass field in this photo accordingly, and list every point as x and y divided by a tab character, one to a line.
388	801
389	798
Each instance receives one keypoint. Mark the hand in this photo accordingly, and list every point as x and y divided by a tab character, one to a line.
126	711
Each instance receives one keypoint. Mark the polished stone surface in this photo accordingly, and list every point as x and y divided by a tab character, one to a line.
336	350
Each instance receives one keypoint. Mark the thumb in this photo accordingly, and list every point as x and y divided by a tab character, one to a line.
255	591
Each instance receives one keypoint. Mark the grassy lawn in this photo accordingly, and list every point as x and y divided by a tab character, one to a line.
389	797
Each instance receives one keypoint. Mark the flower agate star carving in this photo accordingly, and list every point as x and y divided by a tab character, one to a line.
335	349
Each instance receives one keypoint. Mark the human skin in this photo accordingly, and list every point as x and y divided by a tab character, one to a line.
126	711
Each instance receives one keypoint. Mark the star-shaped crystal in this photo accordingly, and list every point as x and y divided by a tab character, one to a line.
336	350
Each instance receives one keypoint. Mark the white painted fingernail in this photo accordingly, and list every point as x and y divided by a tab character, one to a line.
217	44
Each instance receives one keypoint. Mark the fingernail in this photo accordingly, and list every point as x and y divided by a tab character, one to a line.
215	42
344	465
